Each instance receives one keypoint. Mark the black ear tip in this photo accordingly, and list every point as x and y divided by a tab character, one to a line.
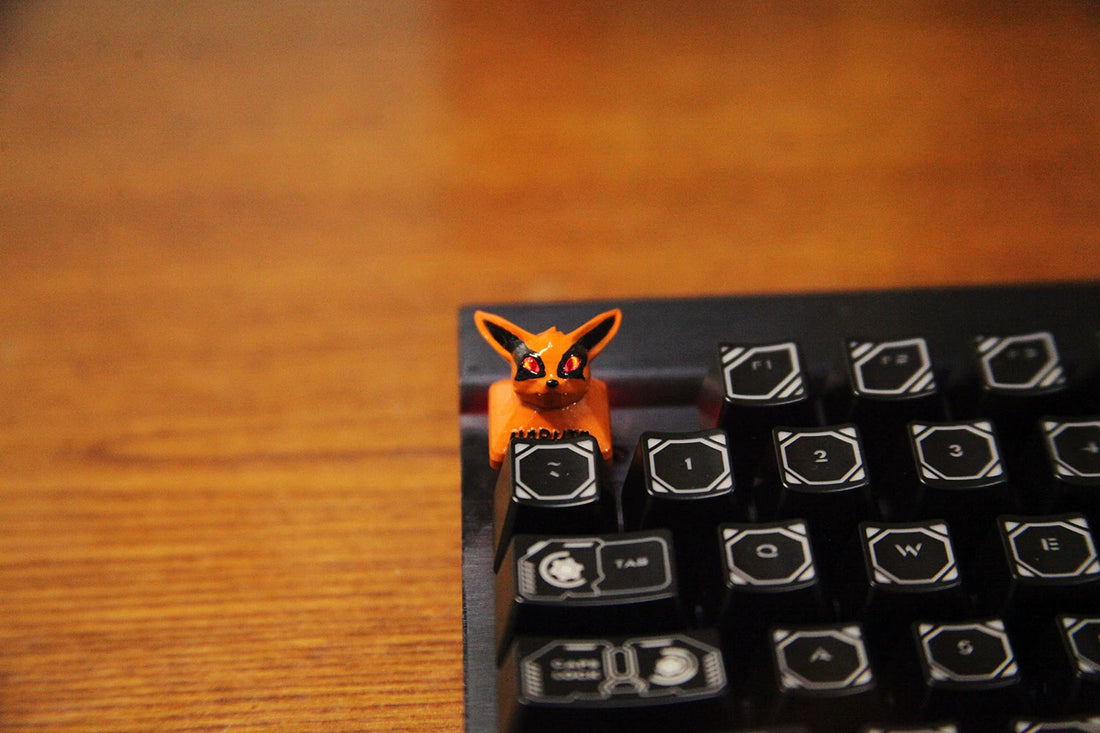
502	336
600	330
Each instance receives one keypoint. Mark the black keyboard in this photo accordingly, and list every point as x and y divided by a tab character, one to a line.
872	511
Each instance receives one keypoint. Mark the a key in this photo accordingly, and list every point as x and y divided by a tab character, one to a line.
1020	377
548	485
823	673
1079	661
1074	724
648	683
958	474
569	585
1072	473
936	727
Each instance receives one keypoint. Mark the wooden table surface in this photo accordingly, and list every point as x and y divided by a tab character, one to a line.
233	239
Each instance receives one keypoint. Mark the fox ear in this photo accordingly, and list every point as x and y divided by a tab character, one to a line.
501	334
595	334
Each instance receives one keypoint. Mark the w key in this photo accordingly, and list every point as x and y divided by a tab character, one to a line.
912	572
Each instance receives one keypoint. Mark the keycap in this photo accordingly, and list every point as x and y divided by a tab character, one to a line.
1080	724
820	475
548	485
750	389
823	672
959	474
768	575
568	585
892	380
969	671
911	571
645	682
1080	637
677	478
1050	562
1072	473
1020	377
925	728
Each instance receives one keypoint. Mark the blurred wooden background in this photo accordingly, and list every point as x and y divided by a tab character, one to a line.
233	238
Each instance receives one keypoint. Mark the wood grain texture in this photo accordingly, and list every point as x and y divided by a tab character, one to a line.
233	240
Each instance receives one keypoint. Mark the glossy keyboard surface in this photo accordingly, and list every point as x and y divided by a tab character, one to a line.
853	511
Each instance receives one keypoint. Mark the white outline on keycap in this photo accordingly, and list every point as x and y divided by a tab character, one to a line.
849	635
1070	626
735	356
923	380
1048	374
1077	525
981	428
1063	467
994	628
717	442
795	531
938	532
847	435
583	491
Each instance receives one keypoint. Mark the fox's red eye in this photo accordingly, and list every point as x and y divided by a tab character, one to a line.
572	364
531	364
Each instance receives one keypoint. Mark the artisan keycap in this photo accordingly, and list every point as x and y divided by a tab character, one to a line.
649	683
568	585
677	478
769	575
548	485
